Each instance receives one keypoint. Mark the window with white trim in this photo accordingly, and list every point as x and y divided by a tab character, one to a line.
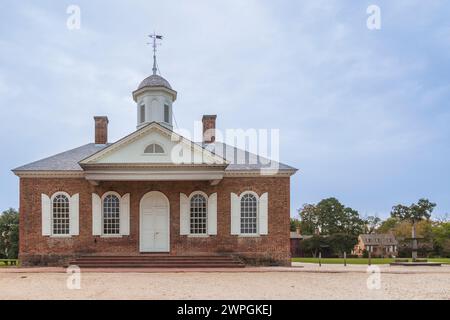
111	215
154	148
249	214
198	214
60	215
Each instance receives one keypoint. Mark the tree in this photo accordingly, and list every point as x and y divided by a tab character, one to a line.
388	225
372	224
309	219
313	244
295	223
414	213
329	216
341	242
441	238
9	234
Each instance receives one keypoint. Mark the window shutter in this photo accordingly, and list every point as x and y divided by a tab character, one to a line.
74	215
184	214
46	214
263	214
96	215
235	214
212	214
125	215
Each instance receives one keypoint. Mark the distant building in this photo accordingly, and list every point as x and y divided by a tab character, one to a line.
379	245
296	237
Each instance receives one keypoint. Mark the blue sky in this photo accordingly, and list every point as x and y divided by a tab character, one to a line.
363	114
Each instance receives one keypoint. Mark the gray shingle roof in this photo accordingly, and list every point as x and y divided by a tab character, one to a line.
243	160
65	161
379	239
240	160
154	81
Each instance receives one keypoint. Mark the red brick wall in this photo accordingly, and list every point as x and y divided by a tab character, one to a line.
209	128
35	248
101	130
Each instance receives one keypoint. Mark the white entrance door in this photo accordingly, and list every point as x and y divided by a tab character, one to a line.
154	223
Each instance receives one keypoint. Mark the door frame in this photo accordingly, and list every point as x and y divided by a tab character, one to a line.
140	221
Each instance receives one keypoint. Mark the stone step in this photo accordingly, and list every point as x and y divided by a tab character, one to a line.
150	261
157	261
154	262
153	258
149	265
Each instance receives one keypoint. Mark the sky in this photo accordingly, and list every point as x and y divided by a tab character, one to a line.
363	114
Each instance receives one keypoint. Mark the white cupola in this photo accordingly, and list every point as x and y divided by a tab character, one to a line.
154	97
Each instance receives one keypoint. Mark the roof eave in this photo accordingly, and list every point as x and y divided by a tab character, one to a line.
48	173
260	173
154	88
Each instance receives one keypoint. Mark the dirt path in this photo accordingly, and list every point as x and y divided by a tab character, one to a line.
306	284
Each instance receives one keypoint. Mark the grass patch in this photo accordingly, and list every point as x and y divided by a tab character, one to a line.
360	260
9	262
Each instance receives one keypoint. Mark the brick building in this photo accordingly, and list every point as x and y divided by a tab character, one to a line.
379	245
154	191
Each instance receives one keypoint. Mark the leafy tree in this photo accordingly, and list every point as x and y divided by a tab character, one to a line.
341	242
388	225
9	234
294	224
414	213
313	245
441	238
309	219
329	216
335	244
372	224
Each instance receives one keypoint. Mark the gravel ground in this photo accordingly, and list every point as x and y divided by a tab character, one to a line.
307	282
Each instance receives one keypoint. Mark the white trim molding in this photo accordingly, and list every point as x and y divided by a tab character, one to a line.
210	157
49	174
262	214
119	197
71	214
153	175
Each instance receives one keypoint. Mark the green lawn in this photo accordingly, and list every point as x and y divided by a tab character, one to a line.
7	262
360	260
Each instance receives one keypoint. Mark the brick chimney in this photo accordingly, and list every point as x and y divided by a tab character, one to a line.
101	130
209	128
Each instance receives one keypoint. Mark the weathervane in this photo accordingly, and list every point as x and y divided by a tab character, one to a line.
155	37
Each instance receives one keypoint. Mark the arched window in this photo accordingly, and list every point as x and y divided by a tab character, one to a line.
111	215
198	216
142	112
60	215
166	113
249	212
154	149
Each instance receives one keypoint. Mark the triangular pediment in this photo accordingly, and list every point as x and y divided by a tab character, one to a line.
154	145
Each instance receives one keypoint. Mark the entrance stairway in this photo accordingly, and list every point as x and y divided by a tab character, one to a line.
157	261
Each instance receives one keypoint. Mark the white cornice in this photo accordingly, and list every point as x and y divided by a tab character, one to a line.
181	175
144	166
153	175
